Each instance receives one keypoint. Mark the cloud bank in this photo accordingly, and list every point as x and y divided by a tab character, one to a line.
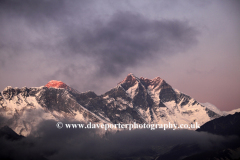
53	143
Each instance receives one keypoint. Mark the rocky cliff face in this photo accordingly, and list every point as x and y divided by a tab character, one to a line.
139	100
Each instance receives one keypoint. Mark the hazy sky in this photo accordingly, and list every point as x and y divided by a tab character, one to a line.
93	45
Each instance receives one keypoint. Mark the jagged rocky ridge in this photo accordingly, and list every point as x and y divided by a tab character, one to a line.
134	99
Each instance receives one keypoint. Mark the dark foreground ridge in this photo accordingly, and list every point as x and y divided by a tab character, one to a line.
8	133
225	125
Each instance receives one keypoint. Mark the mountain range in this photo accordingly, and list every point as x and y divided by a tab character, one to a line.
134	99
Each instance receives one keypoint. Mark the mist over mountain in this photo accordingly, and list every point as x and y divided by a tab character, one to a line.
53	143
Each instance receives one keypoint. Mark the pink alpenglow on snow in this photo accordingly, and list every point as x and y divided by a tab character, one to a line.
60	84
56	84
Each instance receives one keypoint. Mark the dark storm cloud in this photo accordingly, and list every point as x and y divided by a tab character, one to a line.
128	38
38	12
53	143
31	8
116	43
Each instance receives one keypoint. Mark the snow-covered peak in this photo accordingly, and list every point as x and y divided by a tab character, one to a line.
218	111
231	112
56	84
151	82
130	79
212	108
7	88
60	84
131	74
